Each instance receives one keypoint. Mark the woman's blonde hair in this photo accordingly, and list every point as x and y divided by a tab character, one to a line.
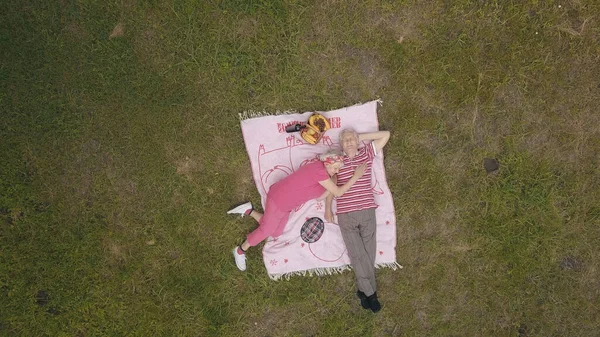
331	156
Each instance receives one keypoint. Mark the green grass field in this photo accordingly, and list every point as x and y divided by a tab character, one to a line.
113	193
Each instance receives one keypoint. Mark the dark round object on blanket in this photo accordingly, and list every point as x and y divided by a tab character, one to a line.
312	230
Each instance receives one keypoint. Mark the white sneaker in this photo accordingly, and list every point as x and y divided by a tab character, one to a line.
241	209
240	260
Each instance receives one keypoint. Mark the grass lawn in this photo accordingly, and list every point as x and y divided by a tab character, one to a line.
113	193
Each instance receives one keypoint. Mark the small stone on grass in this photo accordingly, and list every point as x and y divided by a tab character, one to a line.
491	165
42	298
118	31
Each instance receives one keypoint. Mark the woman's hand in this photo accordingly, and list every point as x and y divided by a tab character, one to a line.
340	190
360	170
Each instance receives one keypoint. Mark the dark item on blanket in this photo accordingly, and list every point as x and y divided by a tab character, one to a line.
315	128
312	230
294	128
490	165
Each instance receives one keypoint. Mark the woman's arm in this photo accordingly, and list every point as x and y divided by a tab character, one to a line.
380	138
328	194
340	190
324	195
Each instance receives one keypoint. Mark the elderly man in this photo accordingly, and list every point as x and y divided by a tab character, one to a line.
356	211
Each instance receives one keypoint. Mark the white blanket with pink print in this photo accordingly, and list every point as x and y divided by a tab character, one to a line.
275	154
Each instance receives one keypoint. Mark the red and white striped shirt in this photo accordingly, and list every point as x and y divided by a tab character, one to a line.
360	195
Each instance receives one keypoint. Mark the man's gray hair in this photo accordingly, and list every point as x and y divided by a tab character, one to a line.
348	130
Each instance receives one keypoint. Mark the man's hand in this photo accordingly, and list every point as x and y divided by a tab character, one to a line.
380	138
329	216
360	170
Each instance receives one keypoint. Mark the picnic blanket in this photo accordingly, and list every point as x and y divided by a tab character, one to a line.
274	154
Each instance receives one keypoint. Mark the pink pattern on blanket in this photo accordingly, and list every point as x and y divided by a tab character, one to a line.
275	154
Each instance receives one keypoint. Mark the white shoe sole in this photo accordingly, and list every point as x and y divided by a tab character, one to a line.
241	209
237	257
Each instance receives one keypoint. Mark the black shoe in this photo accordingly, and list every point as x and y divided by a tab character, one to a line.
374	303
363	300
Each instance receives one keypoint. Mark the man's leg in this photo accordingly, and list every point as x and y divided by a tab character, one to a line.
360	259
368	233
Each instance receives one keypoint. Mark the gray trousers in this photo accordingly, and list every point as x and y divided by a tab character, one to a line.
359	230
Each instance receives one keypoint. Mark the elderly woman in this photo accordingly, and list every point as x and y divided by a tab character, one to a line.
308	182
356	210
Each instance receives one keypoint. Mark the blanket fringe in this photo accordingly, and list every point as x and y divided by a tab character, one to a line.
393	265
328	271
310	272
249	114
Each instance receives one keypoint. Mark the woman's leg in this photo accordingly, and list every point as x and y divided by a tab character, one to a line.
285	216
256	215
251	212
267	224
